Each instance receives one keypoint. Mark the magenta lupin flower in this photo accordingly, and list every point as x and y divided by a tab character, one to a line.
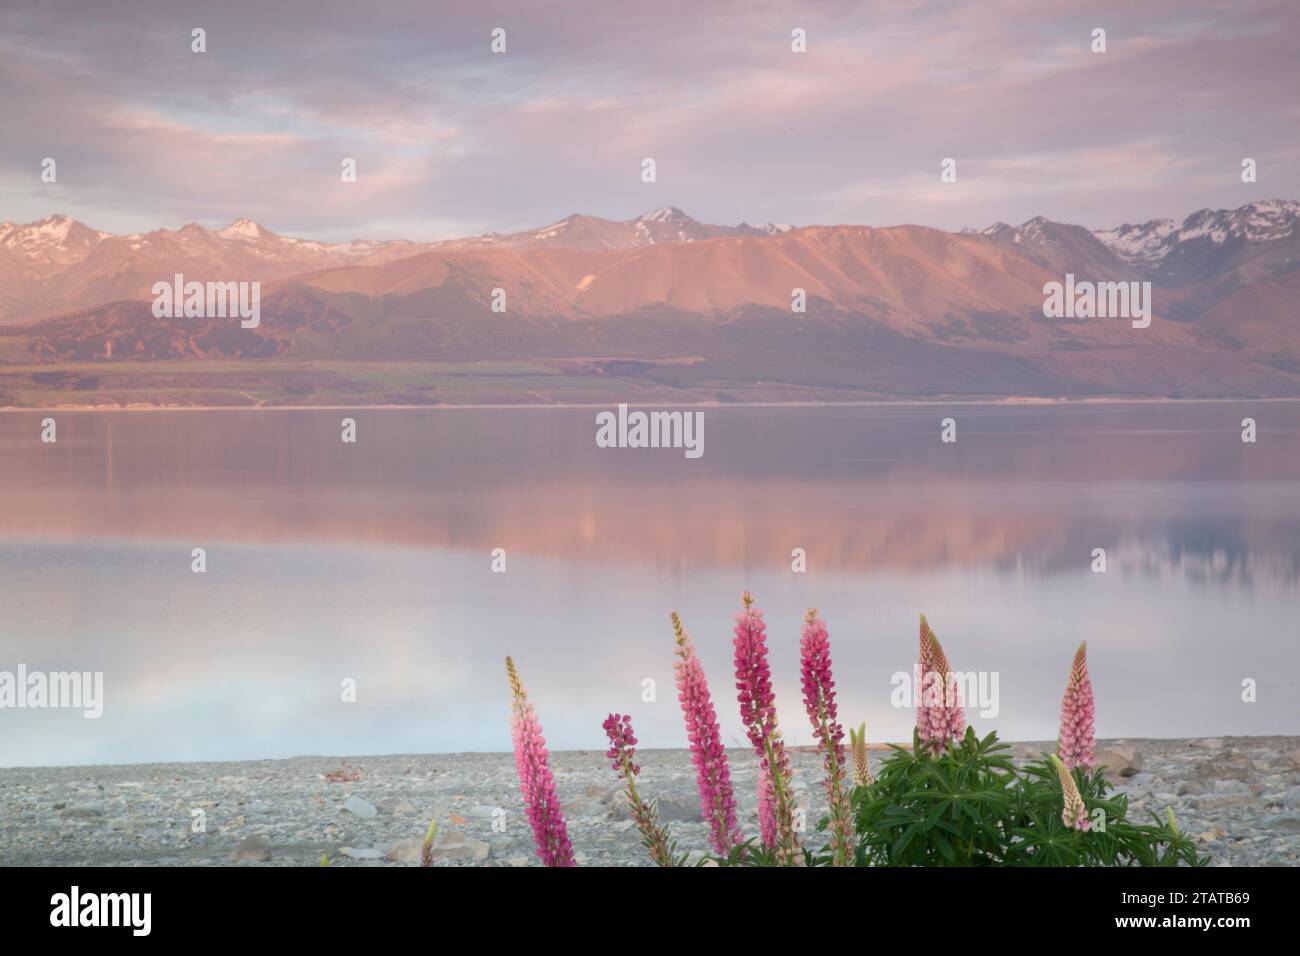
819	700
758	714
622	750
622	744
541	802
1076	743
712	772
939	716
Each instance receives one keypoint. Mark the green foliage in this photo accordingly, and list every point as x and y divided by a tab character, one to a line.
972	806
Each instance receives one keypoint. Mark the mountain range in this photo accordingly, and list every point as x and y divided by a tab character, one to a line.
666	304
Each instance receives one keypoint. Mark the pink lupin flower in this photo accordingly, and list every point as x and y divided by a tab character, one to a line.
536	784
939	717
1074	814
819	700
622	754
1076	742
758	714
712	772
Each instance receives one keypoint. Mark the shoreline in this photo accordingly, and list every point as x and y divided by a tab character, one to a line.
1238	797
875	748
1012	401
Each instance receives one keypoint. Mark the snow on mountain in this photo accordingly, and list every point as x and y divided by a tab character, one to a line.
1150	244
244	230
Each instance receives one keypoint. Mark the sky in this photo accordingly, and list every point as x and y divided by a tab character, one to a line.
451	139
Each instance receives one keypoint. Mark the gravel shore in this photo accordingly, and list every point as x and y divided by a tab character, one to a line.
1239	796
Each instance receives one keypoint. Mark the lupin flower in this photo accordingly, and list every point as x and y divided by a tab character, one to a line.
622	751
1076	742
426	849
939	718
861	768
1073	814
758	714
819	701
712	772
536	784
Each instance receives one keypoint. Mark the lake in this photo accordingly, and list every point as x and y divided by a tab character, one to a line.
371	562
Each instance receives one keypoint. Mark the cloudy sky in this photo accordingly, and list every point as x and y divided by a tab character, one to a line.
451	139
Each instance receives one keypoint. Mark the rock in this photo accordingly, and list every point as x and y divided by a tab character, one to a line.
1210	743
1289	822
254	849
679	810
394	806
1230	786
1223	801
1291	799
1292	758
365	853
1191	788
1120	760
82	811
1228	766
586	807
483	811
358	807
454	845
517	861
405	851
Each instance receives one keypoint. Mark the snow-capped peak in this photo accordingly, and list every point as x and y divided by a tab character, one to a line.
244	229
50	232
1149	243
664	214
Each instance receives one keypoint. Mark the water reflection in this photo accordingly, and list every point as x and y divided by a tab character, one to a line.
370	561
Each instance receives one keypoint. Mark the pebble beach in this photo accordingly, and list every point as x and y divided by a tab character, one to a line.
1238	796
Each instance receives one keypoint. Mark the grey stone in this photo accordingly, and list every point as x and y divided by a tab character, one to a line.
679	810
1223	801
586	807
358	807
253	848
394	806
405	851
1290	822
82	811
362	853
454	845
1227	766
1120	760
1230	786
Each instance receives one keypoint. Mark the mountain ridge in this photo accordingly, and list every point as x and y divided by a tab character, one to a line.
899	310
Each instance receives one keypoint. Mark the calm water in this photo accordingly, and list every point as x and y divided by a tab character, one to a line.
371	561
